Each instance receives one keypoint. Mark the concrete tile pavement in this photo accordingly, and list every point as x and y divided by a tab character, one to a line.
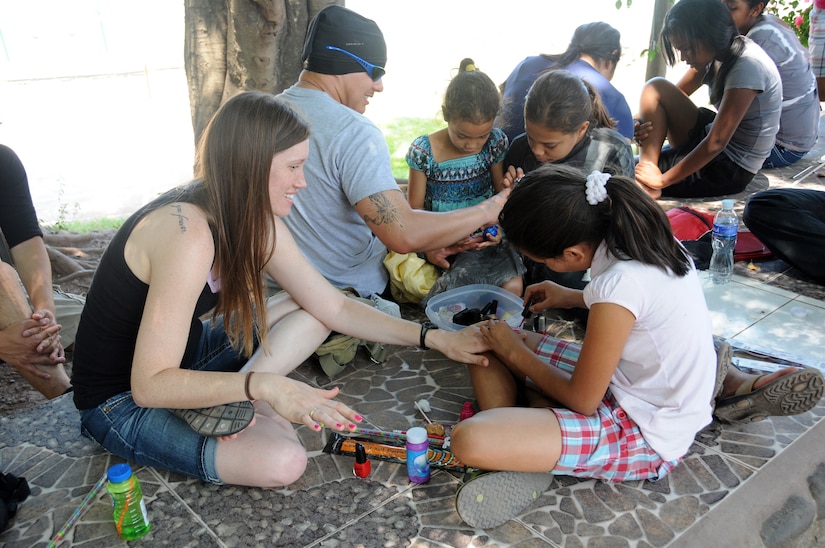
330	507
733	488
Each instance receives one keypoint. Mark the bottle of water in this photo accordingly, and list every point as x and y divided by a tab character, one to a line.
131	519
725	227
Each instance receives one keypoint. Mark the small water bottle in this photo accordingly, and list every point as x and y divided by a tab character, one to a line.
131	519
725	227
418	462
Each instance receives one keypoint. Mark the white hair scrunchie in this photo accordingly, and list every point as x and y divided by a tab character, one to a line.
595	187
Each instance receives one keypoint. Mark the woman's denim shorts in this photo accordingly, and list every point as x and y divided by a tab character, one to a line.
155	437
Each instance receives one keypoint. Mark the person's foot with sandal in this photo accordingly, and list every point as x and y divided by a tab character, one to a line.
751	398
490	499
218	421
724	354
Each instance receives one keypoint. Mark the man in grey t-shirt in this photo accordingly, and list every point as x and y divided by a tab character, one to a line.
352	210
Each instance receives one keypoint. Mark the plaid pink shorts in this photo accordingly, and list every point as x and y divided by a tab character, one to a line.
608	445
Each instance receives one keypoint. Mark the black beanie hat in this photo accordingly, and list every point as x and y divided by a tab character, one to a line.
343	28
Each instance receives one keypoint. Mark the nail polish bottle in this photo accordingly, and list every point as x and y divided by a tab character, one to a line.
466	411
362	466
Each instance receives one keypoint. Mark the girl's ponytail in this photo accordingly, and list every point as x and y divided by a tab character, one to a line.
600	117
555	207
471	95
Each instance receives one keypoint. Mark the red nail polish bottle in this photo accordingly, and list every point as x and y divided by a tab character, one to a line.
362	465
466	411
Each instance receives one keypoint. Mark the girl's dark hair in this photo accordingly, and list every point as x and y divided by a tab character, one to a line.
234	160
548	212
562	101
753	3
471	96
706	22
598	40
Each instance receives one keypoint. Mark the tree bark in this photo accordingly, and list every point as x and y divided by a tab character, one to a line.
656	61
237	45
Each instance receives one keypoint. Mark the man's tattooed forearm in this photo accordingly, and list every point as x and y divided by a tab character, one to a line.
385	211
181	217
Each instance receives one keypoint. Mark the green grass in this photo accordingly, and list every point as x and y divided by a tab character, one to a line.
399	133
83	227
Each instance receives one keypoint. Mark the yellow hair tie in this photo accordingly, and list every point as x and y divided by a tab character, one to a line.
470	68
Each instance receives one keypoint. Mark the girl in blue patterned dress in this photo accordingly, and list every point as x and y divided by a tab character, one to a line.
460	166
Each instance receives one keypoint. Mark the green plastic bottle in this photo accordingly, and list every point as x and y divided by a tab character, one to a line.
131	519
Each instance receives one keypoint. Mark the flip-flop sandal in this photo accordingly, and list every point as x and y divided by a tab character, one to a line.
493	498
790	394
220	420
724	354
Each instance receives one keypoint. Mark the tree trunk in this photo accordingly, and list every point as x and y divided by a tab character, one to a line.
238	45
655	60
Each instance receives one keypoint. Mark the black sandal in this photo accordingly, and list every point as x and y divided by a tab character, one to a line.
220	420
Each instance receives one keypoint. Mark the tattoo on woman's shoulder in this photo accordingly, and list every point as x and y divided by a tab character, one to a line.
385	212
178	212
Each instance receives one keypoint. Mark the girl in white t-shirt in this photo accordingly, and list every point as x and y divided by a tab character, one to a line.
646	366
627	403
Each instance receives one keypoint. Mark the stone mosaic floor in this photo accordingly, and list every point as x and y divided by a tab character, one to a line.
329	507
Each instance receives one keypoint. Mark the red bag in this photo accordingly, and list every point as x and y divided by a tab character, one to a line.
690	224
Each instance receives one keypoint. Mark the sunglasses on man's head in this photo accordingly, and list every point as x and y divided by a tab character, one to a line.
375	72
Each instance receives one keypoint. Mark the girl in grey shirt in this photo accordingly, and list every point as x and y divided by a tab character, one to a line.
711	153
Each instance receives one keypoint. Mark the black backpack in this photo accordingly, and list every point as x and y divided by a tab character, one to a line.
13	490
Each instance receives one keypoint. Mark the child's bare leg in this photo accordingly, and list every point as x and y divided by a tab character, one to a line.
514	285
538	400
518	439
494	385
671	113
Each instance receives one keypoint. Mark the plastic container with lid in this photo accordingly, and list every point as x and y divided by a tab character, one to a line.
441	308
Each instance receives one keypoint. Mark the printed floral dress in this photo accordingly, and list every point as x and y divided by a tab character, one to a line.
456	184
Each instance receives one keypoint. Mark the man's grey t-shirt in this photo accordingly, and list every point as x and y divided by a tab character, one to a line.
348	161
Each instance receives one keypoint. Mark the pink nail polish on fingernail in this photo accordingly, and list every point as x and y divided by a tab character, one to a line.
339	425
359	418
317	426
352	426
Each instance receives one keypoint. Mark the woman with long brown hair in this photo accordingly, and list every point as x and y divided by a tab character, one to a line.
143	350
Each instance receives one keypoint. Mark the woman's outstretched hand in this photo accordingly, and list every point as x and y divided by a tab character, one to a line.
300	403
464	346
